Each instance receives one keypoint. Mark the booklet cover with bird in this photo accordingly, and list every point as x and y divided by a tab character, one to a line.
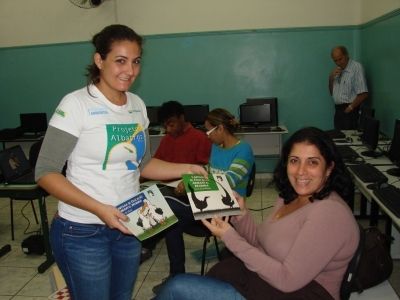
210	197
148	212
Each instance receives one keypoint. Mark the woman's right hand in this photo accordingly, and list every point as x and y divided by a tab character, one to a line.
336	72
112	217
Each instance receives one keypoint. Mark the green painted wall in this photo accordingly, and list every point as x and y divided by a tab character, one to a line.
221	69
33	79
381	55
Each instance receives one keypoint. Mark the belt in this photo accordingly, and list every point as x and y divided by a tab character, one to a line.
343	105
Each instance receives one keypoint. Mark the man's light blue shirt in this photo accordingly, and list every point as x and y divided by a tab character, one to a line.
349	84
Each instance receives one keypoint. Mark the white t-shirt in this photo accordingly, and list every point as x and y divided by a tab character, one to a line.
111	143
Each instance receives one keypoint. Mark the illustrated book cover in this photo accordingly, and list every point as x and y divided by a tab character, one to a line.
148	212
210	197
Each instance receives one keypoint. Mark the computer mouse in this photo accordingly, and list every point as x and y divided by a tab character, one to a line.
373	186
358	160
377	185
384	185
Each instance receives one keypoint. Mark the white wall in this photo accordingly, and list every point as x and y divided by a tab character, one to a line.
30	22
371	9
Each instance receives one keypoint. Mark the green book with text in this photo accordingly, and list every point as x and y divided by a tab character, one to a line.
210	197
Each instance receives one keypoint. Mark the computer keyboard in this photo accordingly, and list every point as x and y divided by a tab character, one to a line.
390	197
335	134
346	152
261	129
368	173
153	131
254	129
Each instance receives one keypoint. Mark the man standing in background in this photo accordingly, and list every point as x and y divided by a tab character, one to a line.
348	87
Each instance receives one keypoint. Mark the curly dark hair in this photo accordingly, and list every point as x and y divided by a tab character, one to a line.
102	43
170	109
339	179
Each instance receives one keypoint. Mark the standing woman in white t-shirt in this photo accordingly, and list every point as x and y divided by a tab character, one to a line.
101	131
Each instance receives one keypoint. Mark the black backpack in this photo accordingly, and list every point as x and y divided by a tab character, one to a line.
375	264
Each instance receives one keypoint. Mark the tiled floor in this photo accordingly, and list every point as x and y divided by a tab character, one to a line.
19	279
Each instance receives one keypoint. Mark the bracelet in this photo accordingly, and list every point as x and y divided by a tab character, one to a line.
350	106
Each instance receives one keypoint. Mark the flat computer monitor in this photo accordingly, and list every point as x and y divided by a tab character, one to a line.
259	112
196	114
364	112
152	114
394	151
370	137
35	123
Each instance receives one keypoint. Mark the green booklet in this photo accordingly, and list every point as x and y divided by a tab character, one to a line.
210	197
148	212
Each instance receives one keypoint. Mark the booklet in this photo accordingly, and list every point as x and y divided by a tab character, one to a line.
210	197
148	212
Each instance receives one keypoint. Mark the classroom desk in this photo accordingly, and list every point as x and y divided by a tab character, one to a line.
382	163
370	196
24	141
33	192
353	138
263	143
392	222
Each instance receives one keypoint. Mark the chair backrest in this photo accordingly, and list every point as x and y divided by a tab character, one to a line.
349	275
250	183
34	152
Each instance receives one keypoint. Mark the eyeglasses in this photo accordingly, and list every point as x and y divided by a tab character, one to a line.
211	130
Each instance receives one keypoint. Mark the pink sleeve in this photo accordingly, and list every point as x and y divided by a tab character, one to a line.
325	232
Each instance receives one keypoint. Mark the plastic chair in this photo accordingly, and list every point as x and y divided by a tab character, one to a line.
199	230
251	182
349	275
33	155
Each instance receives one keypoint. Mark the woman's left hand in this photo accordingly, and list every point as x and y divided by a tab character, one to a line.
217	226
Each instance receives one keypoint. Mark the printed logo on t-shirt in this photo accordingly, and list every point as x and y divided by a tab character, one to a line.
98	111
125	142
60	112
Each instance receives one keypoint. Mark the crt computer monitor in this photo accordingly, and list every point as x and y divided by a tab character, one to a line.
394	151
196	113
33	122
259	112
370	137
152	114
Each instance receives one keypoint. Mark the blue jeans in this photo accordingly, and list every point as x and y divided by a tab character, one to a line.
97	262
174	236
197	287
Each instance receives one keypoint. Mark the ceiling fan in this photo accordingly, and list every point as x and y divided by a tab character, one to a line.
87	3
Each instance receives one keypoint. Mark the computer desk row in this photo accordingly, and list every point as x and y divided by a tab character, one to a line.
353	137
376	204
382	163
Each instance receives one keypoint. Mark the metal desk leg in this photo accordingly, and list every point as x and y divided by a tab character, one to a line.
363	207
374	215
5	249
388	226
45	228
